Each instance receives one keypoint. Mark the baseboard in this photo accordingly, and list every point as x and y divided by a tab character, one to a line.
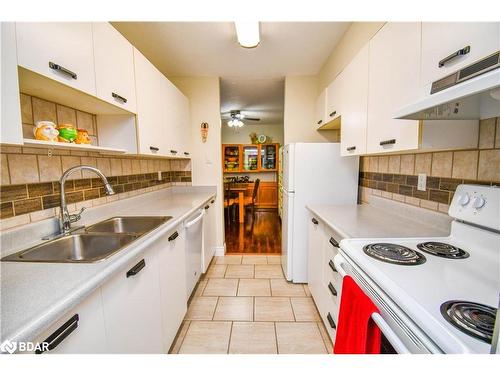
220	251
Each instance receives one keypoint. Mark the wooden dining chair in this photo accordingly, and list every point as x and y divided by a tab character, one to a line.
230	200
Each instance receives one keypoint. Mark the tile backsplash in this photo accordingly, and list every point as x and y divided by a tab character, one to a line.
395	176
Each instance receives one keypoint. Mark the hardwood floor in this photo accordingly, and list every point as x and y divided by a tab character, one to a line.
259	236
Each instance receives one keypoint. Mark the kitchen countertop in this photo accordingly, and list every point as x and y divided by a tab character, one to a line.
35	295
382	218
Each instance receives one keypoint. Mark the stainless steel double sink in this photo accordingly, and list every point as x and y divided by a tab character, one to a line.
90	244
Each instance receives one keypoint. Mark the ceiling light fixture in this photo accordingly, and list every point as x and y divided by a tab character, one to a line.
247	33
235	123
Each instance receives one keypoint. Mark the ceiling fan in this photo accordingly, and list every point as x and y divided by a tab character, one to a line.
236	117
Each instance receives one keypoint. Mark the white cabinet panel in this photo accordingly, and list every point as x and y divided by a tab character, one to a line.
355	105
114	67
67	47
321	109
171	261
83	327
394	66
334	98
151	111
316	237
208	235
132	309
443	39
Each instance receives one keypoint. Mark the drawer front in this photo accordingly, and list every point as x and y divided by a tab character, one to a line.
330	319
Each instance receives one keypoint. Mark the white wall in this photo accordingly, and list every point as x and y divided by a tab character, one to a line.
241	135
300	105
204	101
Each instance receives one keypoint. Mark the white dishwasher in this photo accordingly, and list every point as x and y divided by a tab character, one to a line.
194	247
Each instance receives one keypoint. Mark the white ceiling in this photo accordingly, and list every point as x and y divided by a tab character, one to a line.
252	80
260	98
211	48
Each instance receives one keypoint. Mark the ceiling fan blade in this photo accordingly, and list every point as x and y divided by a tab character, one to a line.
252	118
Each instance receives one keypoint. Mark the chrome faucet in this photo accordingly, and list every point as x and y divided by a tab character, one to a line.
66	218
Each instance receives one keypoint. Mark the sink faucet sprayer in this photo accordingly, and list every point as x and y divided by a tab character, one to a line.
66	218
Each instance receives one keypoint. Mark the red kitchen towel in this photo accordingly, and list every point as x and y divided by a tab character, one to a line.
357	333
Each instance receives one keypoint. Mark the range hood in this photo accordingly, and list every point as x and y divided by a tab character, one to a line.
470	93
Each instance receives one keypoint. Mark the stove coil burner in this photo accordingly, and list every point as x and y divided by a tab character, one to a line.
443	250
472	318
395	254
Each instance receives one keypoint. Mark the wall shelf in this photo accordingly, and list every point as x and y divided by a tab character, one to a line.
72	146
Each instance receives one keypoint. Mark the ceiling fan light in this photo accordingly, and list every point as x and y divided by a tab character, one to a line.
248	34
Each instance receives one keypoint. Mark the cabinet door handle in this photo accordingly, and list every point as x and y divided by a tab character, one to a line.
314	221
62	69
330	320
332	266
136	269
186	153
333	242
59	335
173	236
319	122
212	201
207	207
173	151
388	142
332	289
460	52
152	148
352	148
121	98
332	113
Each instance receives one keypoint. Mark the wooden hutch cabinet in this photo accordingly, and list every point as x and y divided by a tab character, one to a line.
243	158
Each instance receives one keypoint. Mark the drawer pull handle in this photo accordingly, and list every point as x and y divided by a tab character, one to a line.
62	69
59	335
352	148
136	269
173	151
212	201
173	236
332	266
120	98
330	320
186	153
332	289
319	122
333	242
460	52
333	113
152	148
314	221
388	142
207	207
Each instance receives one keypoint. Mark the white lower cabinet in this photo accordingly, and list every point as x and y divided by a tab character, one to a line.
323	279
80	331
132	311
171	262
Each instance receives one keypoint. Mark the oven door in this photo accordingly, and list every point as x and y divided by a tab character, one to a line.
399	334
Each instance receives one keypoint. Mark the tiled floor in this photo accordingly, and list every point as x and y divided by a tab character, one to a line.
243	305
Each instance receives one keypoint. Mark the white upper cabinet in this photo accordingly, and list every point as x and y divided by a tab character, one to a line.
150	88
394	66
355	105
183	124
320	119
449	46
114	67
60	51
334	95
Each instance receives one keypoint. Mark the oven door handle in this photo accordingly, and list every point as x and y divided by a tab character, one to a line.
338	262
389	334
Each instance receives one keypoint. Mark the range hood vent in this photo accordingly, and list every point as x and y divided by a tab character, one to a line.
472	92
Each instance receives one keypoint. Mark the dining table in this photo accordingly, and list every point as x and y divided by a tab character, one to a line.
240	189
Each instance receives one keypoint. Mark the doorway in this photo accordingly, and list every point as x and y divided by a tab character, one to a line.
252	137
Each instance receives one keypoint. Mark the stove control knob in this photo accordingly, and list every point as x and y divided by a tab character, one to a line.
478	202
464	200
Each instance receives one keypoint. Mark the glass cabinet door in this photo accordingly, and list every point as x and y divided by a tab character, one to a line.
231	158
268	157
250	158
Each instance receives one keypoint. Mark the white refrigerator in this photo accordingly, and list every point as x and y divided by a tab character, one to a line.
313	173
